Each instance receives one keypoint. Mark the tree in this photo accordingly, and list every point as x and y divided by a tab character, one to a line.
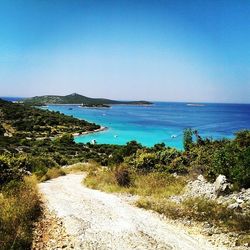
131	148
199	139
187	139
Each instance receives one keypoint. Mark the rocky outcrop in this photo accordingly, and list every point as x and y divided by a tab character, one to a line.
221	185
220	191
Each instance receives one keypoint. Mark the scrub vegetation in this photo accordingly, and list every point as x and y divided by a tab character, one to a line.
35	142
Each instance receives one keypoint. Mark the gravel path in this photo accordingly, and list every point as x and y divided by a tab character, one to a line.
97	220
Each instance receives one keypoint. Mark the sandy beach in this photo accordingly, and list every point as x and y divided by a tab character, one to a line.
102	128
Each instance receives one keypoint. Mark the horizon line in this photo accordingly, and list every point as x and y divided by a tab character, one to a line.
196	102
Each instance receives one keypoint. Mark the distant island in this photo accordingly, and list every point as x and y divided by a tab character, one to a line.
95	105
196	104
78	99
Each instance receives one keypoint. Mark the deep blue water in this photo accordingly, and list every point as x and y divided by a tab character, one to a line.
158	123
11	99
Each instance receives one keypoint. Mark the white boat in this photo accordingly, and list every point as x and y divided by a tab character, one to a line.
93	142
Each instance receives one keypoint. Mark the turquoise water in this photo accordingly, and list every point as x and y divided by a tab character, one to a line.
160	122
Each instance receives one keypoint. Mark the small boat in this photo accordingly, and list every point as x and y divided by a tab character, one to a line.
93	142
173	136
115	136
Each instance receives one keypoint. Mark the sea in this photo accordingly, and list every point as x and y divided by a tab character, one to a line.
162	122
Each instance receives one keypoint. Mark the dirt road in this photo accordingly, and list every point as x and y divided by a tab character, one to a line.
97	220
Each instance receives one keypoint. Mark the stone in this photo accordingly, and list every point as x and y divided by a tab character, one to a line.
207	225
239	201
221	185
175	174
200	178
234	206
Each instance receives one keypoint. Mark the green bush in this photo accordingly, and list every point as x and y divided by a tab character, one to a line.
144	161
8	170
234	163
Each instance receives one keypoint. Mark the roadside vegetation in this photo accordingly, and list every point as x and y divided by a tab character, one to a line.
156	184
199	209
19	208
157	173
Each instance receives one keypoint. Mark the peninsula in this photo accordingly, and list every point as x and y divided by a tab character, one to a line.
77	99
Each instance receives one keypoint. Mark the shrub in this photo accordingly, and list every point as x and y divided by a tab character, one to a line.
233	162
243	138
52	173
144	161
122	176
19	207
40	164
8	170
65	139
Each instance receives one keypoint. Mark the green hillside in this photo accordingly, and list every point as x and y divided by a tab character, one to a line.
25	121
77	99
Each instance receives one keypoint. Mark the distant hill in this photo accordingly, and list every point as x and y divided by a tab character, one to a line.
77	99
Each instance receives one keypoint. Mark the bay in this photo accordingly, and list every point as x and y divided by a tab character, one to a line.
161	122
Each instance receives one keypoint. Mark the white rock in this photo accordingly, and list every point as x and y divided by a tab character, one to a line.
201	178
233	206
221	185
239	201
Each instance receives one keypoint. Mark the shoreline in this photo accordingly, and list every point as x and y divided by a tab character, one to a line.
111	104
101	129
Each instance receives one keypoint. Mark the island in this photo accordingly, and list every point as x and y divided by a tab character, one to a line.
77	99
98	105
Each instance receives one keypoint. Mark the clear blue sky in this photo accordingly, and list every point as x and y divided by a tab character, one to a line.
170	50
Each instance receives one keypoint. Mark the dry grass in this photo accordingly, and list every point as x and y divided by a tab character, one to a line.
158	185
53	173
198	209
103	179
82	167
152	184
19	207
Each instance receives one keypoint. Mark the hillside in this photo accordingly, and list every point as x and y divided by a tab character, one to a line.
77	99
24	121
